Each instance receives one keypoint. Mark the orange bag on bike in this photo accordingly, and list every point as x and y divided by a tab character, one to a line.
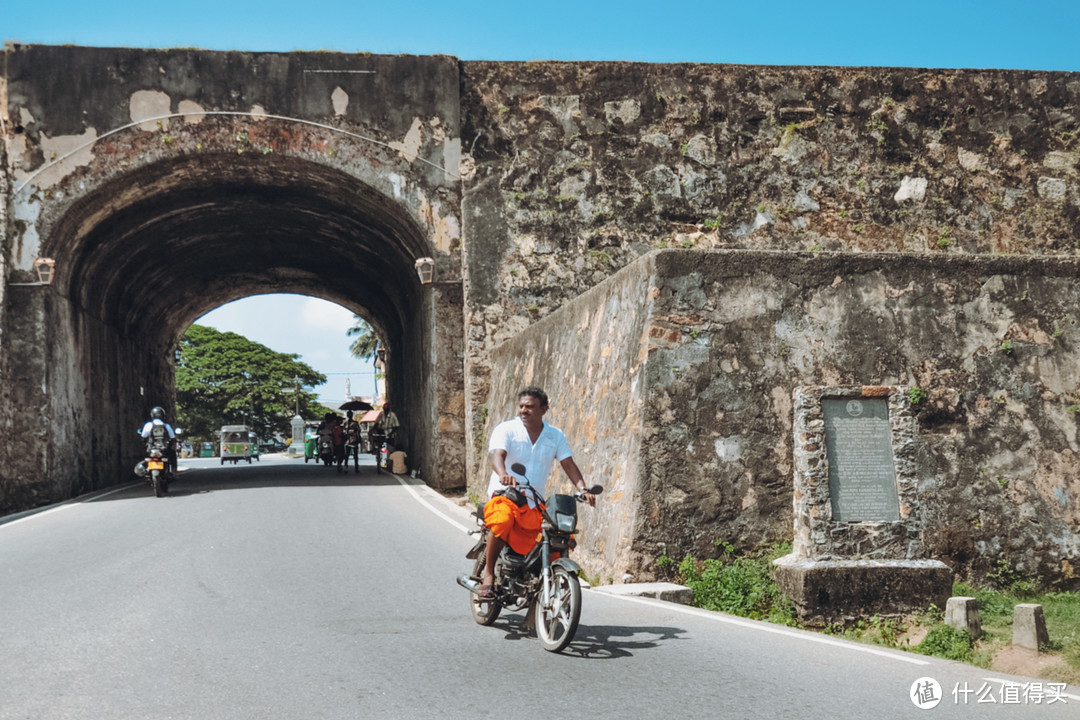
518	526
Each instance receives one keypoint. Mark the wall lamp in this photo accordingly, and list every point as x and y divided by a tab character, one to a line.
425	269
44	267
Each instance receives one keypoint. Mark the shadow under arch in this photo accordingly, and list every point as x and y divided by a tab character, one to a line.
149	251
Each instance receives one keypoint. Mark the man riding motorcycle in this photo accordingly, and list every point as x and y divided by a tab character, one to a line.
160	446
164	433
534	443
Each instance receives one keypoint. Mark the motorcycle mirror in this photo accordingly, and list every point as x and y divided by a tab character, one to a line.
595	489
518	468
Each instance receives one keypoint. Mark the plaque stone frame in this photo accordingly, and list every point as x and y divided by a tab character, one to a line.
843	569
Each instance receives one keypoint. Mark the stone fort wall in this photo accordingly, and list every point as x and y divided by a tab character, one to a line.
674	380
874	226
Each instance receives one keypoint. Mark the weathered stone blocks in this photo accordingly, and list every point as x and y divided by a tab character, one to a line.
962	613
836	591
1029	626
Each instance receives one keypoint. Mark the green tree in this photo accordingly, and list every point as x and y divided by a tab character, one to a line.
226	379
366	343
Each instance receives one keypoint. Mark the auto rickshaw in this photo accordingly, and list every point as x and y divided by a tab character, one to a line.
311	443
238	443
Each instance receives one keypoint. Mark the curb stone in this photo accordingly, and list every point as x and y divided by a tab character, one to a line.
658	590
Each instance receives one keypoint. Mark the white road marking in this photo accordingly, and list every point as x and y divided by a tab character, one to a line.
66	505
429	506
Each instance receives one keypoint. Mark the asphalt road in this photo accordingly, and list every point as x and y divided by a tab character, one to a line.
283	590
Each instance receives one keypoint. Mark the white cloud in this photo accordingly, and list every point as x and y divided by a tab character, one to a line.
325	315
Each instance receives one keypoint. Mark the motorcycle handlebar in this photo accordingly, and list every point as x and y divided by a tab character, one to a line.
594	490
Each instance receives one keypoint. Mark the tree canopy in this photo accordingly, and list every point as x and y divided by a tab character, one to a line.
225	379
366	343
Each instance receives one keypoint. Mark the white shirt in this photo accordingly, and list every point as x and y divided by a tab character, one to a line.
537	457
157	421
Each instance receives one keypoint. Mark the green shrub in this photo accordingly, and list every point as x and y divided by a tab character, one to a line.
739	585
946	642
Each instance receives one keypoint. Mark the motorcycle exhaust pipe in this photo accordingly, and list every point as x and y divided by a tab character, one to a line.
469	584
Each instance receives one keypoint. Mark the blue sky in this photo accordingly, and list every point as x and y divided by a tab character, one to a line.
1038	35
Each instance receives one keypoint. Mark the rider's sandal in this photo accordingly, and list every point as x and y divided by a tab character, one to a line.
486	592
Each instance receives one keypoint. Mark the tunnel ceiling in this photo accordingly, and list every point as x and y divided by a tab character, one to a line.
151	252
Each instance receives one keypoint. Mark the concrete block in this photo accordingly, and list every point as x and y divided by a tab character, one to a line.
962	613
659	590
1029	626
829	591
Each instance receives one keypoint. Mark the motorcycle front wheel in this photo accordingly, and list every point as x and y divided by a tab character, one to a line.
484	612
557	623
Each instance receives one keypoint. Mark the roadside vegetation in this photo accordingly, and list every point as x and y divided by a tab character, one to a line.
742	584
738	584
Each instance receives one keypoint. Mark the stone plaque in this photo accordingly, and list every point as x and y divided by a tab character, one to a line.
862	472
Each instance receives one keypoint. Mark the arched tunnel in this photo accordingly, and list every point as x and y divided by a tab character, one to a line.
145	254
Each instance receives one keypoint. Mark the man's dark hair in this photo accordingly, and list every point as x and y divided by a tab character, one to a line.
535	392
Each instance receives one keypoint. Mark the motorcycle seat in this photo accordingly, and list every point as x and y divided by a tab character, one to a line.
512	559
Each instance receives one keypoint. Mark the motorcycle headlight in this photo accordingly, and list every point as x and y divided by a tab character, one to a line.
562	512
567	523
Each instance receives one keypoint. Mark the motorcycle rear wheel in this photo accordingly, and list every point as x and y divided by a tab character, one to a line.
484	612
158	482
556	625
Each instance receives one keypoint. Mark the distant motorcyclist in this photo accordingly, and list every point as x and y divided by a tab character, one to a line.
158	432
337	436
325	431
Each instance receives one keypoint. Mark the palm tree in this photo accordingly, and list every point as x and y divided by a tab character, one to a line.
366	343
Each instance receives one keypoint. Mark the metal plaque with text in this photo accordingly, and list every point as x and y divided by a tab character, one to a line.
862	472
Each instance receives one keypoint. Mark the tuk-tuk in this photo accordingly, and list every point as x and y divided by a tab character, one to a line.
206	449
311	442
238	442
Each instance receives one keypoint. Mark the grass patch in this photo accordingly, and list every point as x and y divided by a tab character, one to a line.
739	585
743	585
946	642
1061	609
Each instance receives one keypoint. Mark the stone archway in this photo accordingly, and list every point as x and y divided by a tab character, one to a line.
157	223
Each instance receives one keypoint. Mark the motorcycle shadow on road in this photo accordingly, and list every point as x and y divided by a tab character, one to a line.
599	642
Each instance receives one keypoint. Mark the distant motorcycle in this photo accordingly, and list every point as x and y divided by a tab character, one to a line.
157	467
326	450
545	581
